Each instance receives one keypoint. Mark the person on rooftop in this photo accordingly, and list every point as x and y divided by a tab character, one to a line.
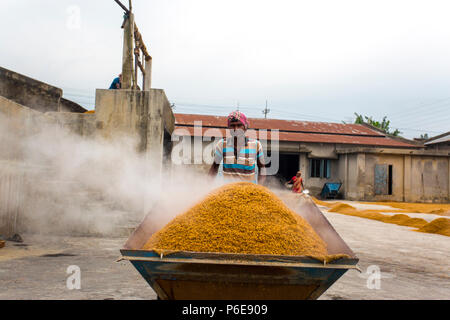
117	83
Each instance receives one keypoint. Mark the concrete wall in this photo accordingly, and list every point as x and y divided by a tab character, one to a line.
342	168
351	181
314	184
20	119
22	122
34	94
79	123
416	178
429	179
70	106
11	110
143	115
439	146
397	162
318	151
12	180
146	115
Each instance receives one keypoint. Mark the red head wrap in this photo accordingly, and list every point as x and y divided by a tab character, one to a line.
237	116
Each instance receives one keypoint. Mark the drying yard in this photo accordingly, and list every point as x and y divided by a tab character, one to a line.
413	265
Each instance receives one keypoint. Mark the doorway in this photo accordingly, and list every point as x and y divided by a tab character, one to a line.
289	165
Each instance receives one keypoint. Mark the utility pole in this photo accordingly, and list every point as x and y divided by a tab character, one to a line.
266	111
133	46
128	74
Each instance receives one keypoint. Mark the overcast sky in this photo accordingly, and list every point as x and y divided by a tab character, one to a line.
312	60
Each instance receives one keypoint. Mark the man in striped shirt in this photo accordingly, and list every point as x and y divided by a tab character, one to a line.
240	155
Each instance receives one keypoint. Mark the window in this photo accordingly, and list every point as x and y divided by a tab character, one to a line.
315	168
320	168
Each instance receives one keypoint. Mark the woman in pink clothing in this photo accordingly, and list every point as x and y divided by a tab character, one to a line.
297	180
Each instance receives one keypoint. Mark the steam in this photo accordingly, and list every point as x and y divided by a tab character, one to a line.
53	181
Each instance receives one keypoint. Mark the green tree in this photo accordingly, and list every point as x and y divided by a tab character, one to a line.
383	125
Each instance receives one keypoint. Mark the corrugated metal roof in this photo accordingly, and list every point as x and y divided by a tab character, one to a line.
295	131
445	138
282	125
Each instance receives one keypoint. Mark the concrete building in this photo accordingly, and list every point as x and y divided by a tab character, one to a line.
370	165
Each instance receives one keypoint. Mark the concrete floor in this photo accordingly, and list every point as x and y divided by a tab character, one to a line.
413	265
26	273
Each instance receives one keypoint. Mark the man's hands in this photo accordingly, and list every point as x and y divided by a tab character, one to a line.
261	173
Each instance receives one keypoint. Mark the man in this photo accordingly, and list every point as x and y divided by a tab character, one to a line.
240	155
117	83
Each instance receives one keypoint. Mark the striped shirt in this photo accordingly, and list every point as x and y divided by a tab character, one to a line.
244	167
